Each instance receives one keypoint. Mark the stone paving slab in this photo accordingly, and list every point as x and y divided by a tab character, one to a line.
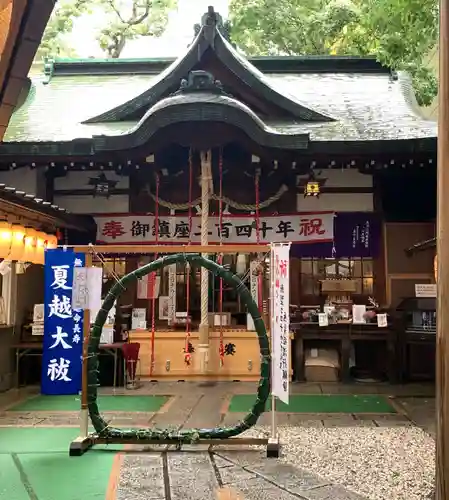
141	478
197	476
331	492
192	476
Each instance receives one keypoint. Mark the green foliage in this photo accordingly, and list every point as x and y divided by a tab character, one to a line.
399	33
120	22
127	20
60	24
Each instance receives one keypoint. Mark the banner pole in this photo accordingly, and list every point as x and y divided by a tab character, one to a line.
84	415
273	397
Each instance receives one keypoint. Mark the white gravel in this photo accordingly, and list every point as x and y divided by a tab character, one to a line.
382	463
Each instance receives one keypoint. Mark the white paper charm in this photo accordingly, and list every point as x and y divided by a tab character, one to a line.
382	320
323	319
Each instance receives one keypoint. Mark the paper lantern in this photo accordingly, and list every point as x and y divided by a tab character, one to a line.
17	242
41	244
29	252
5	239
52	241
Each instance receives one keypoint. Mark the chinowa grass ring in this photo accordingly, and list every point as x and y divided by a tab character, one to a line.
185	436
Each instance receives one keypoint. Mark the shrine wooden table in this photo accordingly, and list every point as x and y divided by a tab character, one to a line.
344	334
30	349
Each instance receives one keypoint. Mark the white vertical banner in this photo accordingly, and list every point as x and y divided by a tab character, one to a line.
171	294
172	278
80	292
253	280
94	286
280	321
142	283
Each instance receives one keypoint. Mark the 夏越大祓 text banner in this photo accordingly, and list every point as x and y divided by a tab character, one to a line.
297	228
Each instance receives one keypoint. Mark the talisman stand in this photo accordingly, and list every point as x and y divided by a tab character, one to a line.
191	255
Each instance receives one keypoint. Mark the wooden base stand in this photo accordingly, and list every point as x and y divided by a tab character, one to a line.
273	448
80	445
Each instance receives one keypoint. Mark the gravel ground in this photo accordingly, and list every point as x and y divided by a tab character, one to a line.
382	463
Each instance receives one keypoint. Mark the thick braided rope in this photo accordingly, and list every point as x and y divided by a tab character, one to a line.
227	201
205	185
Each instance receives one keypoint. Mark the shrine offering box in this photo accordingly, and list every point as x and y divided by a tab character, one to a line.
322	365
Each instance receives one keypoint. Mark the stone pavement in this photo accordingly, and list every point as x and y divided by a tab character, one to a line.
206	404
195	473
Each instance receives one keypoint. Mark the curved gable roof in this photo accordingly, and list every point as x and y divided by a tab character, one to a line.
211	37
196	107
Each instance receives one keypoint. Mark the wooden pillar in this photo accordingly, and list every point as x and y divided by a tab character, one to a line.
442	361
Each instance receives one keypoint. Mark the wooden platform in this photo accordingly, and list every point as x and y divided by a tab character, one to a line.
169	362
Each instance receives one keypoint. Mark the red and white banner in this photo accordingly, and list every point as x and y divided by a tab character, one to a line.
297	228
280	321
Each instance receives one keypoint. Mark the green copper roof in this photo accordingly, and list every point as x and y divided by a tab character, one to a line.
366	106
54	111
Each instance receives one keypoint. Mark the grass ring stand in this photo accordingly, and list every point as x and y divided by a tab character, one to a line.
106	434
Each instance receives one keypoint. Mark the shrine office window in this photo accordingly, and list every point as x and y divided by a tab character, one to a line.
357	269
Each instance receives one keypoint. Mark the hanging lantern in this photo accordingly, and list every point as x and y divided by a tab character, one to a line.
29	252
52	241
41	244
17	242
5	239
312	188
435	267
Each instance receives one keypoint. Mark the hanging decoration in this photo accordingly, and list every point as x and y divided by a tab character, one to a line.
21	244
52	241
153	277
220	256
5	239
188	349
172	281
102	185
17	242
41	244
29	253
311	184
227	201
259	274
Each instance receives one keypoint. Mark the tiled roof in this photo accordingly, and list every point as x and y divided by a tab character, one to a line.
366	107
342	100
30	202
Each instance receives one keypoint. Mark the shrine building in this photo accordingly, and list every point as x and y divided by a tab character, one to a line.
309	150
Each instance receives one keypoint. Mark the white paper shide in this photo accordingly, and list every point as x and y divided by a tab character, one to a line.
280	294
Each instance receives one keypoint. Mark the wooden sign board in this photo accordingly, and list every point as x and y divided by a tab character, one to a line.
348	286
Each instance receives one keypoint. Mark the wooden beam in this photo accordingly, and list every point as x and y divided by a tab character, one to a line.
161	249
211	442
442	361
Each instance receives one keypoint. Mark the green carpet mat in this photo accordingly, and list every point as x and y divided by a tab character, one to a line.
38	457
318	403
41	439
106	403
